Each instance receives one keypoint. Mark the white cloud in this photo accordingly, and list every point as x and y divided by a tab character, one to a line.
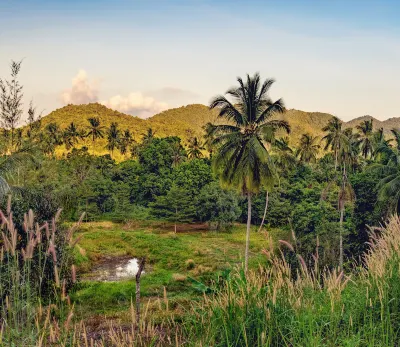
82	91
136	104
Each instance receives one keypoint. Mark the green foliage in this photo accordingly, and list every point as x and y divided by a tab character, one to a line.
176	206
218	207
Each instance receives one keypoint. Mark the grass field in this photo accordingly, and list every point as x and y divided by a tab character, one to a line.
175	262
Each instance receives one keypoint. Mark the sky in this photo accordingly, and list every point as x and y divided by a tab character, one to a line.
145	56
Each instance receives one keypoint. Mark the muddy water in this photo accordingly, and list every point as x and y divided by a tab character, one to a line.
114	269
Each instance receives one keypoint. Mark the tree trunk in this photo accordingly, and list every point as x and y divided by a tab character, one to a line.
246	254
341	206
138	274
176	216
341	238
336	159
265	212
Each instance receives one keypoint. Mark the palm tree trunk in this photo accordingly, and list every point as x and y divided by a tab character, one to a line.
341	206
246	254
341	239
265	212
176	216
336	158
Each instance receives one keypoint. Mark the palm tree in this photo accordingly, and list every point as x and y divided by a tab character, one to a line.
347	154
50	138
346	192
283	155
95	131
396	135
209	137
242	160
113	137
148	136
335	137
71	136
352	147
125	142
366	138
194	149
283	158
308	148
135	149
53	131
389	169
178	154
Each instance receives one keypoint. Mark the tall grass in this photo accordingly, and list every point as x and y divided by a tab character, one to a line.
274	307
36	272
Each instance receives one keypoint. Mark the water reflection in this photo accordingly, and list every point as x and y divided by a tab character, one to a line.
114	269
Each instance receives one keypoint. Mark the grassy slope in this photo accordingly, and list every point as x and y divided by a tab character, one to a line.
167	255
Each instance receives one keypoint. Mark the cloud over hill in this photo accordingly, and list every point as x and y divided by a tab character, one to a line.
84	91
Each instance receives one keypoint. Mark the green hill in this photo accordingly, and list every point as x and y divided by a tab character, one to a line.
186	121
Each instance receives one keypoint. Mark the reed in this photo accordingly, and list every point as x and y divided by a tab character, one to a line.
274	306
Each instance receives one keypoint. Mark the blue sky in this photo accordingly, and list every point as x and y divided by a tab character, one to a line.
341	57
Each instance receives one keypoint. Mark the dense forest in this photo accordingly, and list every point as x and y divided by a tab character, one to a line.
322	192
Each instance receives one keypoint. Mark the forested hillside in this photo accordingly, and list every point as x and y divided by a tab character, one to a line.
185	122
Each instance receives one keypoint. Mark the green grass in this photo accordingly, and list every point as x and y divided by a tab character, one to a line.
167	255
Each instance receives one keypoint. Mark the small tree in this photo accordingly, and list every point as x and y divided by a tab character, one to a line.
176	206
217	206
11	94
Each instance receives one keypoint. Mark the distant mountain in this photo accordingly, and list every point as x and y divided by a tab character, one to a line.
387	125
187	121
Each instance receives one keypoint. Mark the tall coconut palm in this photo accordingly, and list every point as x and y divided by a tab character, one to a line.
389	169
351	146
335	137
178	154
366	138
381	145
113	137
283	155
346	192
346	156
194	149
148	136
51	138
308	148
125	142
209	137
95	130
71	135
396	135
284	158
242	159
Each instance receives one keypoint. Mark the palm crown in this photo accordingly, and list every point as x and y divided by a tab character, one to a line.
94	129
242	154
366	137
